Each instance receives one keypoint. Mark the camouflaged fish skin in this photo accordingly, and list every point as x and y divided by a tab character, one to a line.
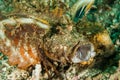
46	34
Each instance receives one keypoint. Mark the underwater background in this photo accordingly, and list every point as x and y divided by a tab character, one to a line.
105	13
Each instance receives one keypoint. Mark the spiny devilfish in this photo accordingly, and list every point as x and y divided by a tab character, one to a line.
29	40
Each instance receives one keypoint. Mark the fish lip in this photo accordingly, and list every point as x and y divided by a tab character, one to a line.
83	53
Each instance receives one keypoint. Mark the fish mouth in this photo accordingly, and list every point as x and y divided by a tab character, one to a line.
83	53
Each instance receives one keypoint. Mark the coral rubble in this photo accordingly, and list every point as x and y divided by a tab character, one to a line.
49	39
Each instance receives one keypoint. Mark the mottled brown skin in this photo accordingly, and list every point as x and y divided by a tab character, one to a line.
20	35
59	46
